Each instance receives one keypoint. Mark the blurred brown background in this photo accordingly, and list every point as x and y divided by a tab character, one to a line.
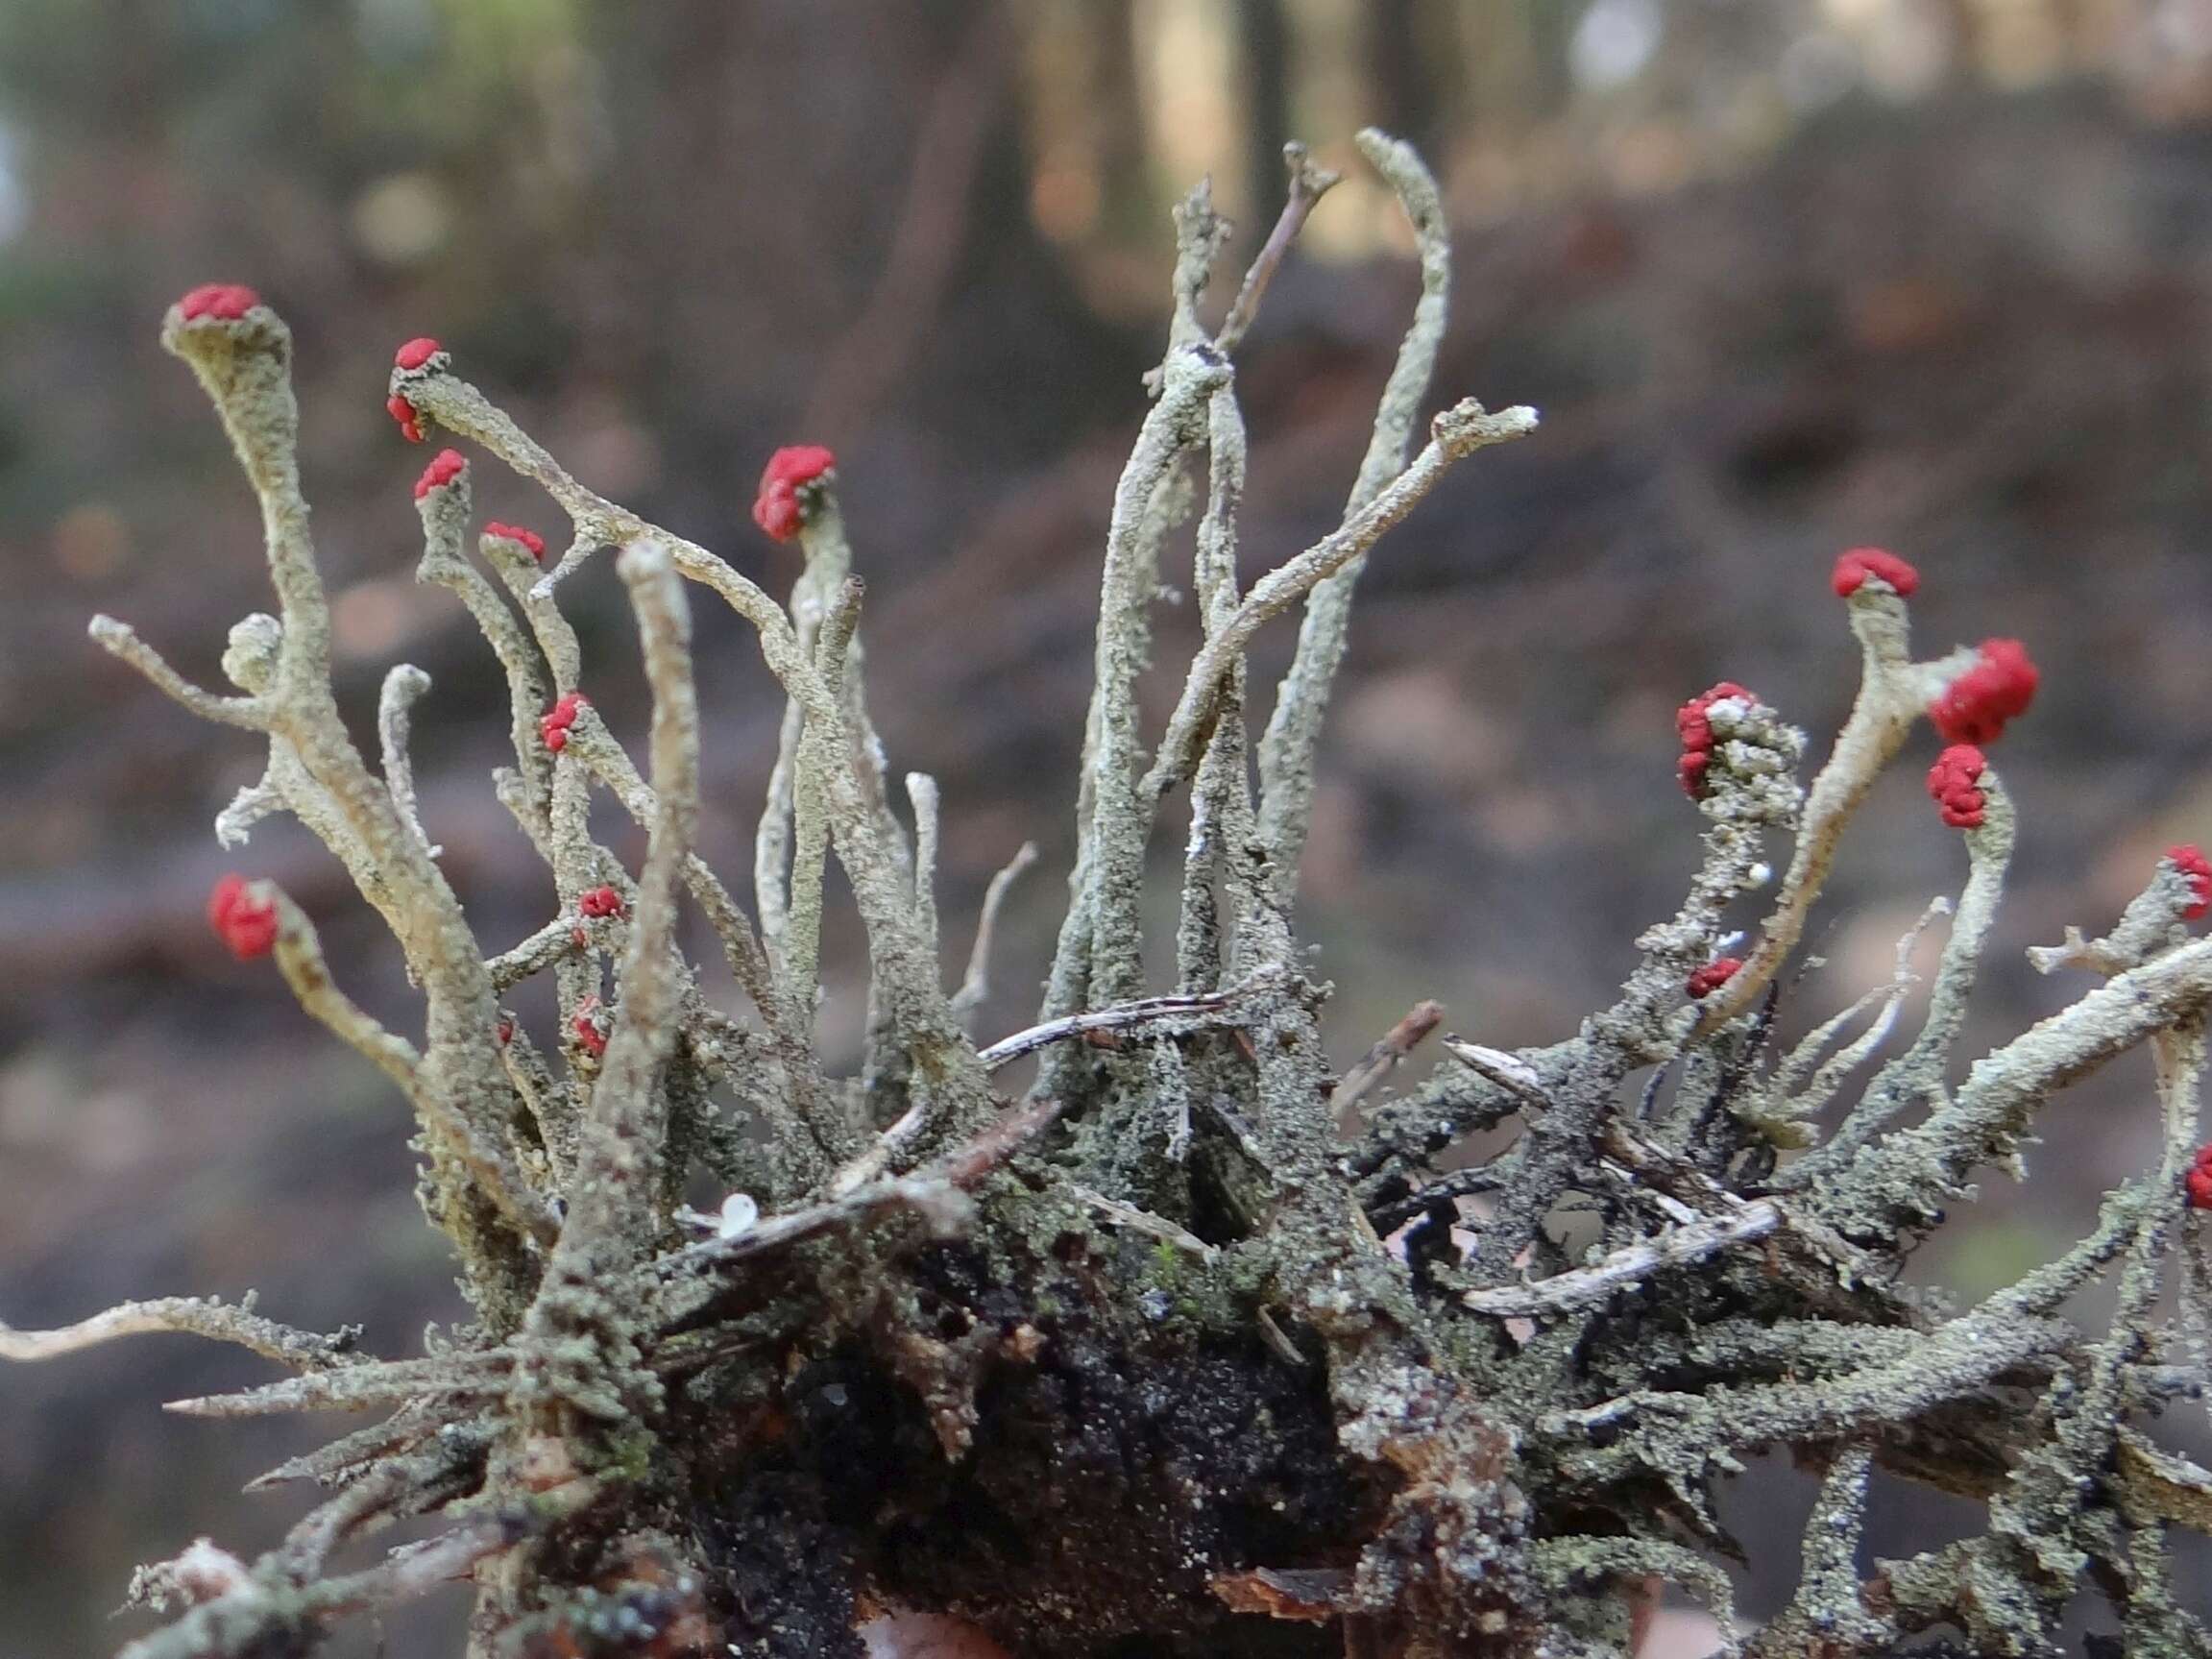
1783	276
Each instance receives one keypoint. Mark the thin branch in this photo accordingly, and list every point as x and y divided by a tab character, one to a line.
1098	955
933	1191
922	795
119	640
404	685
788	1030
595	748
1286	753
1456	433
1779	1110
1387	1055
614	1197
331	1462
555	941
238	1622
2150	924
1308	184
362	1387
1919	1073
1900	1181
1143	1221
197	1316
1588	1286
799	957
823	591
1215	871
1175	1014
1180	1013
974	984
529	684
1509	1071
299	954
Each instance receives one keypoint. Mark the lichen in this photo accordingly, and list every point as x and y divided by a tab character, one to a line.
1206	1346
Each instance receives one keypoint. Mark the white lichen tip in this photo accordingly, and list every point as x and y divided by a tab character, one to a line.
1468	427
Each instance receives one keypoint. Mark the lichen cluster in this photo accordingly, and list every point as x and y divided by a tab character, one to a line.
1203	1346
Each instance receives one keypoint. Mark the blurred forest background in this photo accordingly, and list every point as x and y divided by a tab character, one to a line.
1783	276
